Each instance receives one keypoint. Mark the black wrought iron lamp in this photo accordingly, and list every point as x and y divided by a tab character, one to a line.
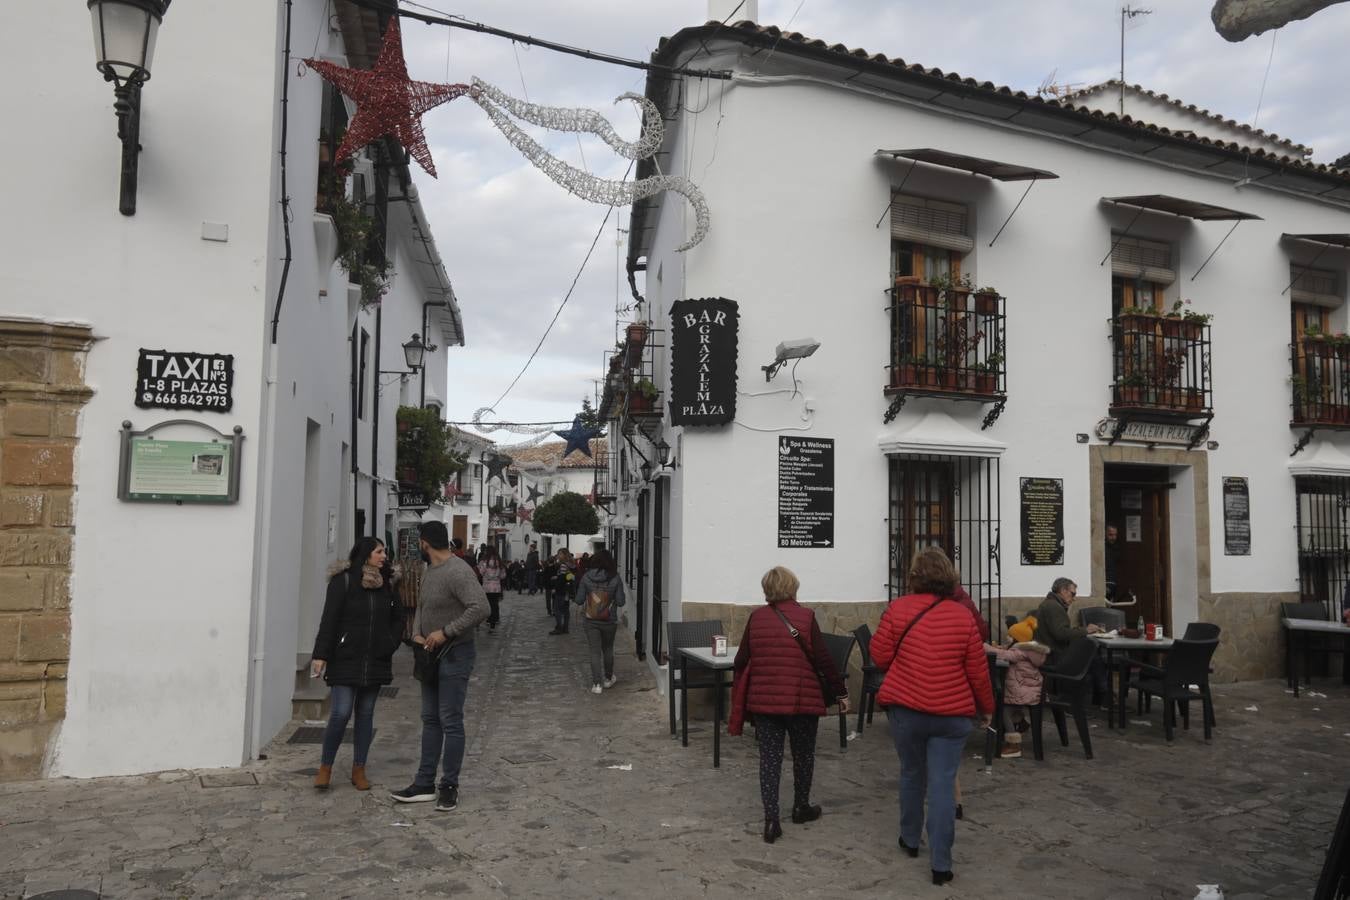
124	42
414	351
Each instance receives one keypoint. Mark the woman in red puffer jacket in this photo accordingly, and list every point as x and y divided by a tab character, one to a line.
937	679
782	692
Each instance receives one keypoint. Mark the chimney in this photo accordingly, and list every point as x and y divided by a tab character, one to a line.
722	11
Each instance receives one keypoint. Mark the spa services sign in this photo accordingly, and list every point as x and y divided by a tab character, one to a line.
166	380
703	335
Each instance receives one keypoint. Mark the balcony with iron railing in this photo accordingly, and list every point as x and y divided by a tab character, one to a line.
1161	367
947	341
1321	382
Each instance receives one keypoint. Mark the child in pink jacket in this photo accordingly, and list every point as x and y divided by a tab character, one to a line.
1022	683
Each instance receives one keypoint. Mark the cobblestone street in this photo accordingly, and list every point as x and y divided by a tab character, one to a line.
550	807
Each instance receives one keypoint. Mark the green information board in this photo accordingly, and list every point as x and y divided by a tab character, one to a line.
164	471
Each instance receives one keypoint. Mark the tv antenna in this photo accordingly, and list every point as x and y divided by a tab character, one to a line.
1049	87
1126	12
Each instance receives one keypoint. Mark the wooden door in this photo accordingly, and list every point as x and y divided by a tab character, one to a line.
1137	504
460	529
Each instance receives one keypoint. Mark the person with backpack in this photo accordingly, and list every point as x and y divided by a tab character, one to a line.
361	628
600	596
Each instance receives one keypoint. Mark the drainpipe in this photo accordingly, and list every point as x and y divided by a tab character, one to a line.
375	428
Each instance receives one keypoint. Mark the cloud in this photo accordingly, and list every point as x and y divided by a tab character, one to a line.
513	240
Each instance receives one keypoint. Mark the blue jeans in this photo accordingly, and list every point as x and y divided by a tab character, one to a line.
443	716
930	749
344	698
532	580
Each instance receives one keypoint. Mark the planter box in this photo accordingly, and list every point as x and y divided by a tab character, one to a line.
1173	327
986	304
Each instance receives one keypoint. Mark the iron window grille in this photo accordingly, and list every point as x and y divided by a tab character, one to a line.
1161	365
1323	528
950	502
946	340
1321	381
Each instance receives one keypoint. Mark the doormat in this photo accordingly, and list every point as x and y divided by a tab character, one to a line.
313	734
528	758
389	691
228	779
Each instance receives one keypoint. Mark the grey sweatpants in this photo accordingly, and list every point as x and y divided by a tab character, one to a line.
600	643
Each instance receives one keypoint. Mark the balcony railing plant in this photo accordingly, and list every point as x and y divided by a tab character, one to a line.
1161	363
946	338
1321	380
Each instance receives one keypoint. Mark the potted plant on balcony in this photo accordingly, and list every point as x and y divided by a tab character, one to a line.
912	371
1193	323
986	301
1137	320
952	290
1130	389
1168	366
1172	323
635	338
986	374
641	398
1195	399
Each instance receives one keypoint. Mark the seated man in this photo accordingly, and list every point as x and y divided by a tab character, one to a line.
1054	631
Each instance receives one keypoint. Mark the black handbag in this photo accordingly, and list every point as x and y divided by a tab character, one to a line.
426	664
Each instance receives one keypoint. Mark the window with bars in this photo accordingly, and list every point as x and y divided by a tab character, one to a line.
951	502
1323	525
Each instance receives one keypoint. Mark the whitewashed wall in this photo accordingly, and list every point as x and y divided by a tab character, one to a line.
796	193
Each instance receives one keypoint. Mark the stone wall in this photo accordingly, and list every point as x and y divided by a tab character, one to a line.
1250	644
42	391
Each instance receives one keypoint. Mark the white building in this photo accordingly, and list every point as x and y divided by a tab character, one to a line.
545	469
187	622
953	418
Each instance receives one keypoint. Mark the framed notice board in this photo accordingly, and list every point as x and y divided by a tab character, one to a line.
1042	503
152	470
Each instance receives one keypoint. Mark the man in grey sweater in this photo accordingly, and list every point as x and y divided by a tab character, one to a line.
451	605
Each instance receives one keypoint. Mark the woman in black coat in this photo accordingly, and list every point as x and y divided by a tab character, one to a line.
361	628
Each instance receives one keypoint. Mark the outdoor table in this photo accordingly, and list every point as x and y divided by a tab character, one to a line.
702	656
1114	645
1309	627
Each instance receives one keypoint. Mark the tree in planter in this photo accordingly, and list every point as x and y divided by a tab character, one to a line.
354	229
423	458
566	513
641	398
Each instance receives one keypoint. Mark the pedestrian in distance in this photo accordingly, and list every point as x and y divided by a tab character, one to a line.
780	665
451	605
600	595
361	628
937	679
561	590
532	569
493	574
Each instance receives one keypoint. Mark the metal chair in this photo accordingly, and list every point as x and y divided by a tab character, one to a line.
1104	618
688	634
1313	644
1069	678
1187	664
840	647
871	676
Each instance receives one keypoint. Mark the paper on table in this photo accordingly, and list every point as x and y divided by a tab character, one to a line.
1107	634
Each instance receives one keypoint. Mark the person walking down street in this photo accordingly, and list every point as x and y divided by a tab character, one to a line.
532	569
490	567
361	628
936	679
600	595
561	590
776	667
451	605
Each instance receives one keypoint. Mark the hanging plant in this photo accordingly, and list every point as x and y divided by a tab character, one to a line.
354	229
423	458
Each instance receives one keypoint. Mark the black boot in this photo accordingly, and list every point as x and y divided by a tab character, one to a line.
805	813
772	830
942	877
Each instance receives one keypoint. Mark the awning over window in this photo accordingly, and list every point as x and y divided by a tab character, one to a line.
937	432
1332	240
1324	459
1190	209
990	168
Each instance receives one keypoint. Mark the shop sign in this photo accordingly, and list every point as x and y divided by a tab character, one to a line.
1042	521
412	500
1147	432
202	381
805	492
703	344
1237	518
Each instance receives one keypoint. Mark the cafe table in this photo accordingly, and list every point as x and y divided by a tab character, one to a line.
1307	628
703	656
1112	645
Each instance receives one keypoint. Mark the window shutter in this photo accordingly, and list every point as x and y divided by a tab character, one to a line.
931	222
1147	260
1316	286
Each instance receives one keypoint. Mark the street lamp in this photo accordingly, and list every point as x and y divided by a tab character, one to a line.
413	351
124	44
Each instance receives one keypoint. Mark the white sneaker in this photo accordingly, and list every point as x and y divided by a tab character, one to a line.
611	681
596	689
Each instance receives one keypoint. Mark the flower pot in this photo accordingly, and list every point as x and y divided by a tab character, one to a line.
636	337
1169	397
907	375
1137	324
950	379
1191	331
986	383
1130	394
986	303
1195	400
1172	326
639	403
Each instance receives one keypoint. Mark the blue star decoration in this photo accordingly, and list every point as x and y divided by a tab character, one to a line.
497	464
535	493
578	437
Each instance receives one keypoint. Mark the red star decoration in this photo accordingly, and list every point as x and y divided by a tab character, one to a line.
524	514
387	102
451	490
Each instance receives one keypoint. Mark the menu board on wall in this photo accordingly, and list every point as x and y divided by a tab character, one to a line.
1237	518
1042	503
703	343
805	492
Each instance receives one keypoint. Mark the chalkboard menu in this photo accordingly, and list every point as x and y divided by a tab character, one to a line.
805	492
703	341
1237	518
1042	521
202	381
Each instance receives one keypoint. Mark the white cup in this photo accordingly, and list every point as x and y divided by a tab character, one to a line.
1158	631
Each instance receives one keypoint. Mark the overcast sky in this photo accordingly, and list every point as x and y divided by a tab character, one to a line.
513	240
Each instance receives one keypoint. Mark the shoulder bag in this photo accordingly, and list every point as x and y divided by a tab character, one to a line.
826	689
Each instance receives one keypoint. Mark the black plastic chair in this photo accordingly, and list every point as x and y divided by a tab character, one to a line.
1187	664
871	676
688	634
840	647
1104	618
1201	631
1066	690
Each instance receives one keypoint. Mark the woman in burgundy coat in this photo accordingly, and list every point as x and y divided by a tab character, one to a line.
937	681
780	653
